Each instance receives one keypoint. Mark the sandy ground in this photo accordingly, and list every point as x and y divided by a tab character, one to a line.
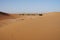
46	27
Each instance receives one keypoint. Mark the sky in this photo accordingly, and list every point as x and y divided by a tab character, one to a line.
29	6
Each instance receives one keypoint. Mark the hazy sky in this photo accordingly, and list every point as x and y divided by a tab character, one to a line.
13	6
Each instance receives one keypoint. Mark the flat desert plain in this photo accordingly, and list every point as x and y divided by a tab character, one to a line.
46	27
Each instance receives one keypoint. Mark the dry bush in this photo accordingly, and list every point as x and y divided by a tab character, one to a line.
40	14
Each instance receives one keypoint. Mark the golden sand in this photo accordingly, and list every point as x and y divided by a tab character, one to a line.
46	27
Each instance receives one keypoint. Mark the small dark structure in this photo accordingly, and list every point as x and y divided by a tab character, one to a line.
2	13
40	14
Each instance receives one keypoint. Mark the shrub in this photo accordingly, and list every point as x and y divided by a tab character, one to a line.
40	14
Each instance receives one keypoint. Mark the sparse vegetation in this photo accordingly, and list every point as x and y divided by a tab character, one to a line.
23	14
40	14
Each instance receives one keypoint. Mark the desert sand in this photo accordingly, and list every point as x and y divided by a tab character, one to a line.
46	27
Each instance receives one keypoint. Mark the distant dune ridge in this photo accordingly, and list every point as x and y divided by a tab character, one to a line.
30	26
4	15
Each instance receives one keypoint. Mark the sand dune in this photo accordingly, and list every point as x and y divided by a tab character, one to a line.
46	27
4	16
